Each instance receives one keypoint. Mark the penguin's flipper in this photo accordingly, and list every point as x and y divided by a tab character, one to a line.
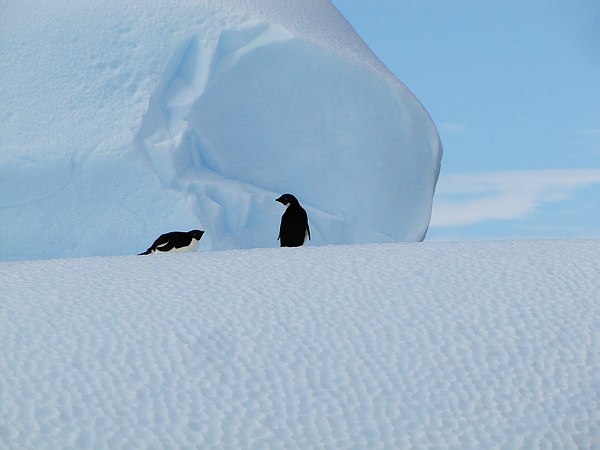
308	230
165	247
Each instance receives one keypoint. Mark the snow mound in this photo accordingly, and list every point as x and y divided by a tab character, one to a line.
455	345
122	121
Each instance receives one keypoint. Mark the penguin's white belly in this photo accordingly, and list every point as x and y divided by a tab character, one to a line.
190	248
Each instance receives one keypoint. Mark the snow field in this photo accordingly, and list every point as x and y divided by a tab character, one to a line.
445	345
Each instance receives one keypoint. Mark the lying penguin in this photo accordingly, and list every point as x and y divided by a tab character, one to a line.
176	242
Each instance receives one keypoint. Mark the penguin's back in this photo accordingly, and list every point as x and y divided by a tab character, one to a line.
294	227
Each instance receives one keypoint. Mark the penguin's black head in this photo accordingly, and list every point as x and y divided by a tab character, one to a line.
197	234
287	199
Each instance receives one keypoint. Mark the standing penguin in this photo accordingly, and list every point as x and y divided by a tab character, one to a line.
175	242
294	222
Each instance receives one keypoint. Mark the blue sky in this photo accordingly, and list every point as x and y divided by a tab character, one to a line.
514	89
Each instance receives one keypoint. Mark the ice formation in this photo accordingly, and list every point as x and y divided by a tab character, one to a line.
123	120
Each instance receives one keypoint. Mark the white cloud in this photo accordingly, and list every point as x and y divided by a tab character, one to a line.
465	199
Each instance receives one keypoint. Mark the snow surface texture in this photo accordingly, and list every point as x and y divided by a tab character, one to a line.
435	345
124	120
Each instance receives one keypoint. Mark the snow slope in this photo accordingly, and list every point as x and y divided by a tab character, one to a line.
123	120
435	345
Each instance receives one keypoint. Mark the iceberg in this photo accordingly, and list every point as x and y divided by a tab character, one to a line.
120	122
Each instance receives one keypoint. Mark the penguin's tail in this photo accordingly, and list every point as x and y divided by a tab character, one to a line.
147	252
